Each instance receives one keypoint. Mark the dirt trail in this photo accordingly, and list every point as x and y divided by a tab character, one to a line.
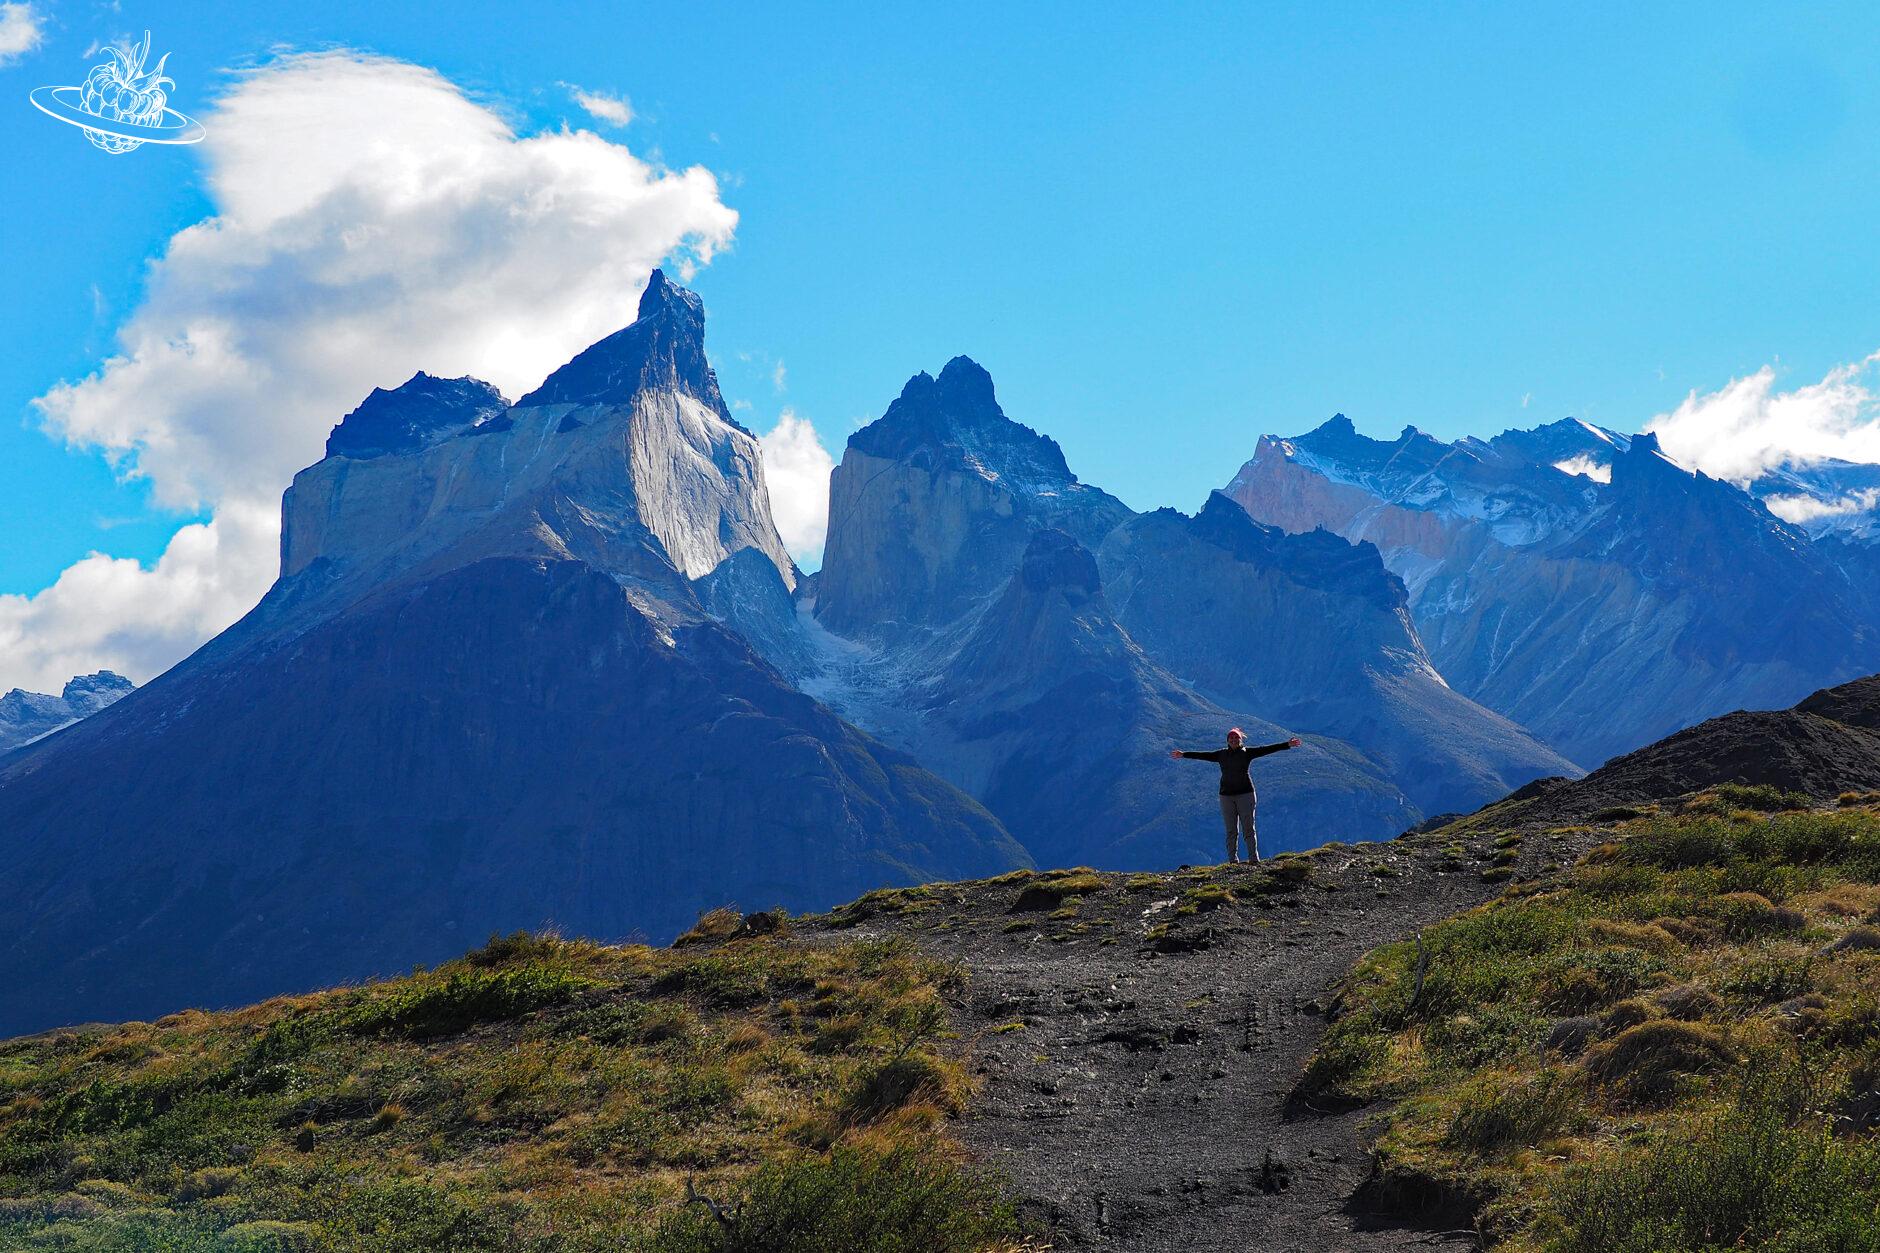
1143	1103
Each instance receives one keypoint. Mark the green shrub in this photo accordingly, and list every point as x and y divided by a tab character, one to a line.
1592	979
1763	1174
1499	1117
1491	1034
517	946
463	999
851	1200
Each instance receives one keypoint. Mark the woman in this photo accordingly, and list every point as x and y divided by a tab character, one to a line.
1237	795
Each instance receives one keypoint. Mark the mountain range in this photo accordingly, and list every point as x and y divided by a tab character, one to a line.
483	695
1580	581
549	664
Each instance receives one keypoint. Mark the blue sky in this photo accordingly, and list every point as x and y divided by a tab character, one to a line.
1163	238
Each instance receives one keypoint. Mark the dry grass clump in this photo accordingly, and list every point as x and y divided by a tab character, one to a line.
1051	891
1645	1062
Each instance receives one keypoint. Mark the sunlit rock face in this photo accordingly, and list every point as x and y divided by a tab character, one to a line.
503	682
933	504
1578	580
627	449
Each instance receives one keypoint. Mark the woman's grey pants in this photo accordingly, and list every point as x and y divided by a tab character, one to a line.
1237	812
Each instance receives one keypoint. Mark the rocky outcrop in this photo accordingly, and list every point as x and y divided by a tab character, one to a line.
28	716
1577	580
418	412
495	688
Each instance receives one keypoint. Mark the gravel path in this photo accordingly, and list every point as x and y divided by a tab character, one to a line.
1143	1103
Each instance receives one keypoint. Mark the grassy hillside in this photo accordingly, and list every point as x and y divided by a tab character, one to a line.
535	1095
1674	1044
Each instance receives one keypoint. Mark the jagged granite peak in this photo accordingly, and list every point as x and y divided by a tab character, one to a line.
413	414
934	502
662	350
27	716
626	455
956	419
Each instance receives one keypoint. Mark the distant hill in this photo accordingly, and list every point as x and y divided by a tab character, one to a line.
1827	745
27	716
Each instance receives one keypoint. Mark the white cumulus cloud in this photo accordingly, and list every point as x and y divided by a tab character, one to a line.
1801	509
611	109
370	221
115	613
1749	427
796	470
22	29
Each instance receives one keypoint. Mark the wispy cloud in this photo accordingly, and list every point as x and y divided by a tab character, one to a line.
780	377
1749	427
1584	466
22	29
614	110
369	221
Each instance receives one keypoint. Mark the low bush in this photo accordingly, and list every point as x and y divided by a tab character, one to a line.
1760	1173
853	1200
1645	1063
464	998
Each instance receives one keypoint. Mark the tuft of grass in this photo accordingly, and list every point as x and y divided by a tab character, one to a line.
1646	1062
1050	891
856	1199
713	924
1206	896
